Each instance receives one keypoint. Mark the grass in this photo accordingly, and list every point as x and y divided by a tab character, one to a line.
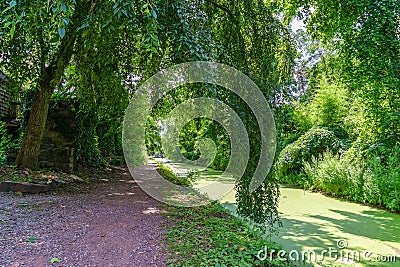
210	236
170	176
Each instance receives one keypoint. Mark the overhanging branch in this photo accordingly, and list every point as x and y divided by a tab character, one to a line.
222	7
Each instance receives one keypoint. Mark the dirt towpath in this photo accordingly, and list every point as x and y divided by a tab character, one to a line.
112	223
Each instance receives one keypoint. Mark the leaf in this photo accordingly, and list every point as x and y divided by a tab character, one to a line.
85	33
55	260
4	11
153	49
145	6
12	30
31	240
61	32
63	7
153	12
54	40
13	3
65	21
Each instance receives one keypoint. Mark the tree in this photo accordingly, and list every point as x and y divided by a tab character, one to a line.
365	36
39	47
95	47
254	41
31	53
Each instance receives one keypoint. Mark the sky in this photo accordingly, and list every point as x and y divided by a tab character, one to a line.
297	24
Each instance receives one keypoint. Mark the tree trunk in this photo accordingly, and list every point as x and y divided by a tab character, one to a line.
50	77
30	147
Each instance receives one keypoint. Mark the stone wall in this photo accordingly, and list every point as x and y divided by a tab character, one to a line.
57	149
9	101
4	98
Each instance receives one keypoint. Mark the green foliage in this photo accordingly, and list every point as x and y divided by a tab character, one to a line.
352	90
336	175
377	182
386	172
26	99
98	52
170	176
302	117
209	236
365	36
199	129
55	260
356	122
313	143
87	140
153	137
31	239
326	108
190	136
5	143
266	55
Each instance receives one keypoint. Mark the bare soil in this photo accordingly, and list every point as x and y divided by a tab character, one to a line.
111	223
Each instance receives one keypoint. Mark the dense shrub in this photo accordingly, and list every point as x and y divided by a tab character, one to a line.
170	176
336	175
387	179
326	107
377	182
313	143
5	141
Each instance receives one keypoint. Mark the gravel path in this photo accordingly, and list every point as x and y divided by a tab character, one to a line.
112	224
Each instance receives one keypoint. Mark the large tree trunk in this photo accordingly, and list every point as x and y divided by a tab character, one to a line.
51	75
30	147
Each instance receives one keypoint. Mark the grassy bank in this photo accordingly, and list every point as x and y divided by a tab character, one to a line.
210	236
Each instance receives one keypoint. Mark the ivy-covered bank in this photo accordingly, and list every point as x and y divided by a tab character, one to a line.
210	236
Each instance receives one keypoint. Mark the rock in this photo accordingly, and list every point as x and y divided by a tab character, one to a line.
117	168
37	182
23	187
55	183
76	178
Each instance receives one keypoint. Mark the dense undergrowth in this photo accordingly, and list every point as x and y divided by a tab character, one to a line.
320	161
170	176
376	183
210	236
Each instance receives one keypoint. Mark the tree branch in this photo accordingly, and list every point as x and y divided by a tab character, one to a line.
224	8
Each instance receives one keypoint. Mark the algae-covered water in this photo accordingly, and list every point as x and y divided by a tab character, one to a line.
327	231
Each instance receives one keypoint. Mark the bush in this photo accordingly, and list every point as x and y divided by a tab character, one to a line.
326	108
387	179
313	143
376	183
170	176
5	143
336	175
